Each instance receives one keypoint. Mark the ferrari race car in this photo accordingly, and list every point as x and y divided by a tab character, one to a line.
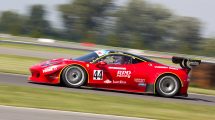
116	70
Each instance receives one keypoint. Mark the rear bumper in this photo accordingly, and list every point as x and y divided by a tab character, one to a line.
183	90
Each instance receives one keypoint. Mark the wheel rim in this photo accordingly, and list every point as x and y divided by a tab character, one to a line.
168	85
74	75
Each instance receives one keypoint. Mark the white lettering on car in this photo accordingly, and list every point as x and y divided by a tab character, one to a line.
107	81
126	74
161	67
119	82
139	80
49	69
173	68
117	68
115	81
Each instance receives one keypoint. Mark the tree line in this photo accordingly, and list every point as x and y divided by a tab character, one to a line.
138	24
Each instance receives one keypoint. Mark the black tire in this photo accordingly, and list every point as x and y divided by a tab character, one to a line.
74	76
167	86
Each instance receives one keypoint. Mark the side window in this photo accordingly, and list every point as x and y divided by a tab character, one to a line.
108	59
135	60
117	59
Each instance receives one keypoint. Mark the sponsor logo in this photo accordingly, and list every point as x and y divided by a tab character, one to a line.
142	84
119	82
161	67
98	74
139	80
117	68
51	68
107	81
126	74
101	52
115	82
173	68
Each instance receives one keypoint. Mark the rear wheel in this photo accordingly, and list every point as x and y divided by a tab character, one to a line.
167	86
74	76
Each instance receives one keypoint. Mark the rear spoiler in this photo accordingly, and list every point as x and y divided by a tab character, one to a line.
185	62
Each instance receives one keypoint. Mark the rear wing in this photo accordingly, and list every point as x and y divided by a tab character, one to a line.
185	62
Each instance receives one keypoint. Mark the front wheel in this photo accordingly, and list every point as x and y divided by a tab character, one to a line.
167	86
74	76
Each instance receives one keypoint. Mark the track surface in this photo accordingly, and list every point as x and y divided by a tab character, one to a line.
22	80
20	113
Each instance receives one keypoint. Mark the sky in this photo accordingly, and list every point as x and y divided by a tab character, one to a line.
201	9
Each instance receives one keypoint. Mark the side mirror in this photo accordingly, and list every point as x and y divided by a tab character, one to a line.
101	63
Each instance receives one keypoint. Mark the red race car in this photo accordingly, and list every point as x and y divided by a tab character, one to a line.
116	70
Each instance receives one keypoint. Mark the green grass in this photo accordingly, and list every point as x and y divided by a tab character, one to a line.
17	64
43	48
103	104
201	91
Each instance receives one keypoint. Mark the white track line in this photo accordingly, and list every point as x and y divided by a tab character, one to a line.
77	113
14	74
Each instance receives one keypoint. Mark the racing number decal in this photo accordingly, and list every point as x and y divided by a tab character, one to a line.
98	74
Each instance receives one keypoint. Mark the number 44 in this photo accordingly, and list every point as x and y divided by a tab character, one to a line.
98	74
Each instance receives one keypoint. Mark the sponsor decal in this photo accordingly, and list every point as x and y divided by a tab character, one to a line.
142	84
117	68
107	81
119	82
161	67
98	74
101	52
139	80
115	82
126	74
49	69
173	68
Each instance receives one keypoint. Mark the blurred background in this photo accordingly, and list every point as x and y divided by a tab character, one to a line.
185	27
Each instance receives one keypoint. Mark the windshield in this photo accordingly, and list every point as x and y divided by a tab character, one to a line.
87	58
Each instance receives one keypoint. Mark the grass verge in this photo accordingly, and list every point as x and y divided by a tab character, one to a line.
201	91
102	104
43	48
17	64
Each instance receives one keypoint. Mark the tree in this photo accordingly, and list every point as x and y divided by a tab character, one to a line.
82	16
12	22
208	47
187	31
143	20
37	25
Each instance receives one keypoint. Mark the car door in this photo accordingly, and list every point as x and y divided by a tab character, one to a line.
112	71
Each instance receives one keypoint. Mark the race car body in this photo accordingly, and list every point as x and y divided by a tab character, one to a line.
116	70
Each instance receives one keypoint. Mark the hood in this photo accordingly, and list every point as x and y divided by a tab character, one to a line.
53	62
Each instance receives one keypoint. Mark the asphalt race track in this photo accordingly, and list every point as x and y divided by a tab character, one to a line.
22	80
20	113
